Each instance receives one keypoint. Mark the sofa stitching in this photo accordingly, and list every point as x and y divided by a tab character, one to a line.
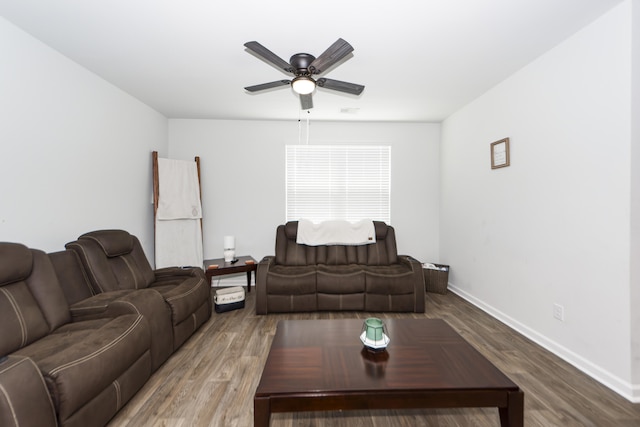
99	351
131	304
133	273
32	363
16	309
116	385
53	410
87	281
10	366
98	242
89	267
184	294
88	307
13	411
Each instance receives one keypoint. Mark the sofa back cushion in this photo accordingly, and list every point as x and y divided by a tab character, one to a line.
71	275
31	301
113	260
288	252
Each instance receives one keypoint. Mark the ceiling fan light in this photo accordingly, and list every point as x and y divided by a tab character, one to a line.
303	85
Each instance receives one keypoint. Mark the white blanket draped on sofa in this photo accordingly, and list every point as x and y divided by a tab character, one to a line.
178	226
336	232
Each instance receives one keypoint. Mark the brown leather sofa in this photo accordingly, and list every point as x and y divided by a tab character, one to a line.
113	260
56	370
84	305
73	356
369	277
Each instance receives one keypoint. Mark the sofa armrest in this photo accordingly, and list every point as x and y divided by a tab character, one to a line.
172	272
261	283
147	302
24	398
418	281
97	306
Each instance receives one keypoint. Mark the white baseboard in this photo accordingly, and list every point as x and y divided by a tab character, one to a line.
625	389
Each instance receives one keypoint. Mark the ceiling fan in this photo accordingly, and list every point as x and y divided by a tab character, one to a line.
303	66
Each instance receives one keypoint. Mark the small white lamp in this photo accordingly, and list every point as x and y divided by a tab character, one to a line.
229	248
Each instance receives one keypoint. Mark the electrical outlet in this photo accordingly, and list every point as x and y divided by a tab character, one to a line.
558	312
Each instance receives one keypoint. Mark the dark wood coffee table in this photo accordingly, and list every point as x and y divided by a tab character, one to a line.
321	365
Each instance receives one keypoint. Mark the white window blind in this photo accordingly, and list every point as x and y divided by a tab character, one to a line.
326	182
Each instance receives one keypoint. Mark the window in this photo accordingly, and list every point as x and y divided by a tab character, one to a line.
338	182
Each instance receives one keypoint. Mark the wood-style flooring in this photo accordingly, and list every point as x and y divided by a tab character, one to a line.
211	380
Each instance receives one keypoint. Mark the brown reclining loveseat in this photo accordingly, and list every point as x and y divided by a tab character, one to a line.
370	277
113	260
55	370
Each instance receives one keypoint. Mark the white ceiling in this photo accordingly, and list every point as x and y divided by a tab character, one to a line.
420	60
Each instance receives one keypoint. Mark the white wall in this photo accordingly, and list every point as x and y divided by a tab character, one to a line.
634	300
243	170
554	226
75	151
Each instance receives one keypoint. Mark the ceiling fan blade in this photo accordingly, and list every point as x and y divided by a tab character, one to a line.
333	54
269	56
306	101
265	86
347	87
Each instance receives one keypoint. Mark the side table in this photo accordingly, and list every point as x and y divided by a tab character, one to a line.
225	268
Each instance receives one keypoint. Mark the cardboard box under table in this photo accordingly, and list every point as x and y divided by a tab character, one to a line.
228	299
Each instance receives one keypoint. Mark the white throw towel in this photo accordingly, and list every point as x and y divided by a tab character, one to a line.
336	233
179	243
178	227
179	190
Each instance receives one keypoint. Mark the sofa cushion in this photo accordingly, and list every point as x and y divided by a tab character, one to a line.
16	262
337	255
384	251
21	318
397	303
296	254
31	306
394	279
287	280
73	280
342	302
113	242
183	294
45	287
341	287
292	303
291	230
147	302
340	279
108	266
24	400
82	359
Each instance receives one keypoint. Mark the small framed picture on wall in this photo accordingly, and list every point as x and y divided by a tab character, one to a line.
500	153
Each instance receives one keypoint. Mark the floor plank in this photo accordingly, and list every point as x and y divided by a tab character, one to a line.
211	380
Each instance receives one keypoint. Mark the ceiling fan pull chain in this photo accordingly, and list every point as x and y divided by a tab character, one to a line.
308	114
